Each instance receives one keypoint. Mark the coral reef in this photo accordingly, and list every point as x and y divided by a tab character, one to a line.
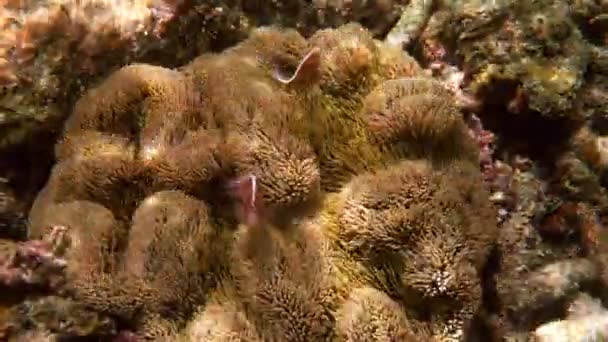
52	51
525	65
307	183
538	48
530	78
190	196
520	67
48	43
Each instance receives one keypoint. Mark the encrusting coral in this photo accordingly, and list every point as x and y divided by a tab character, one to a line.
521	67
549	250
154	161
